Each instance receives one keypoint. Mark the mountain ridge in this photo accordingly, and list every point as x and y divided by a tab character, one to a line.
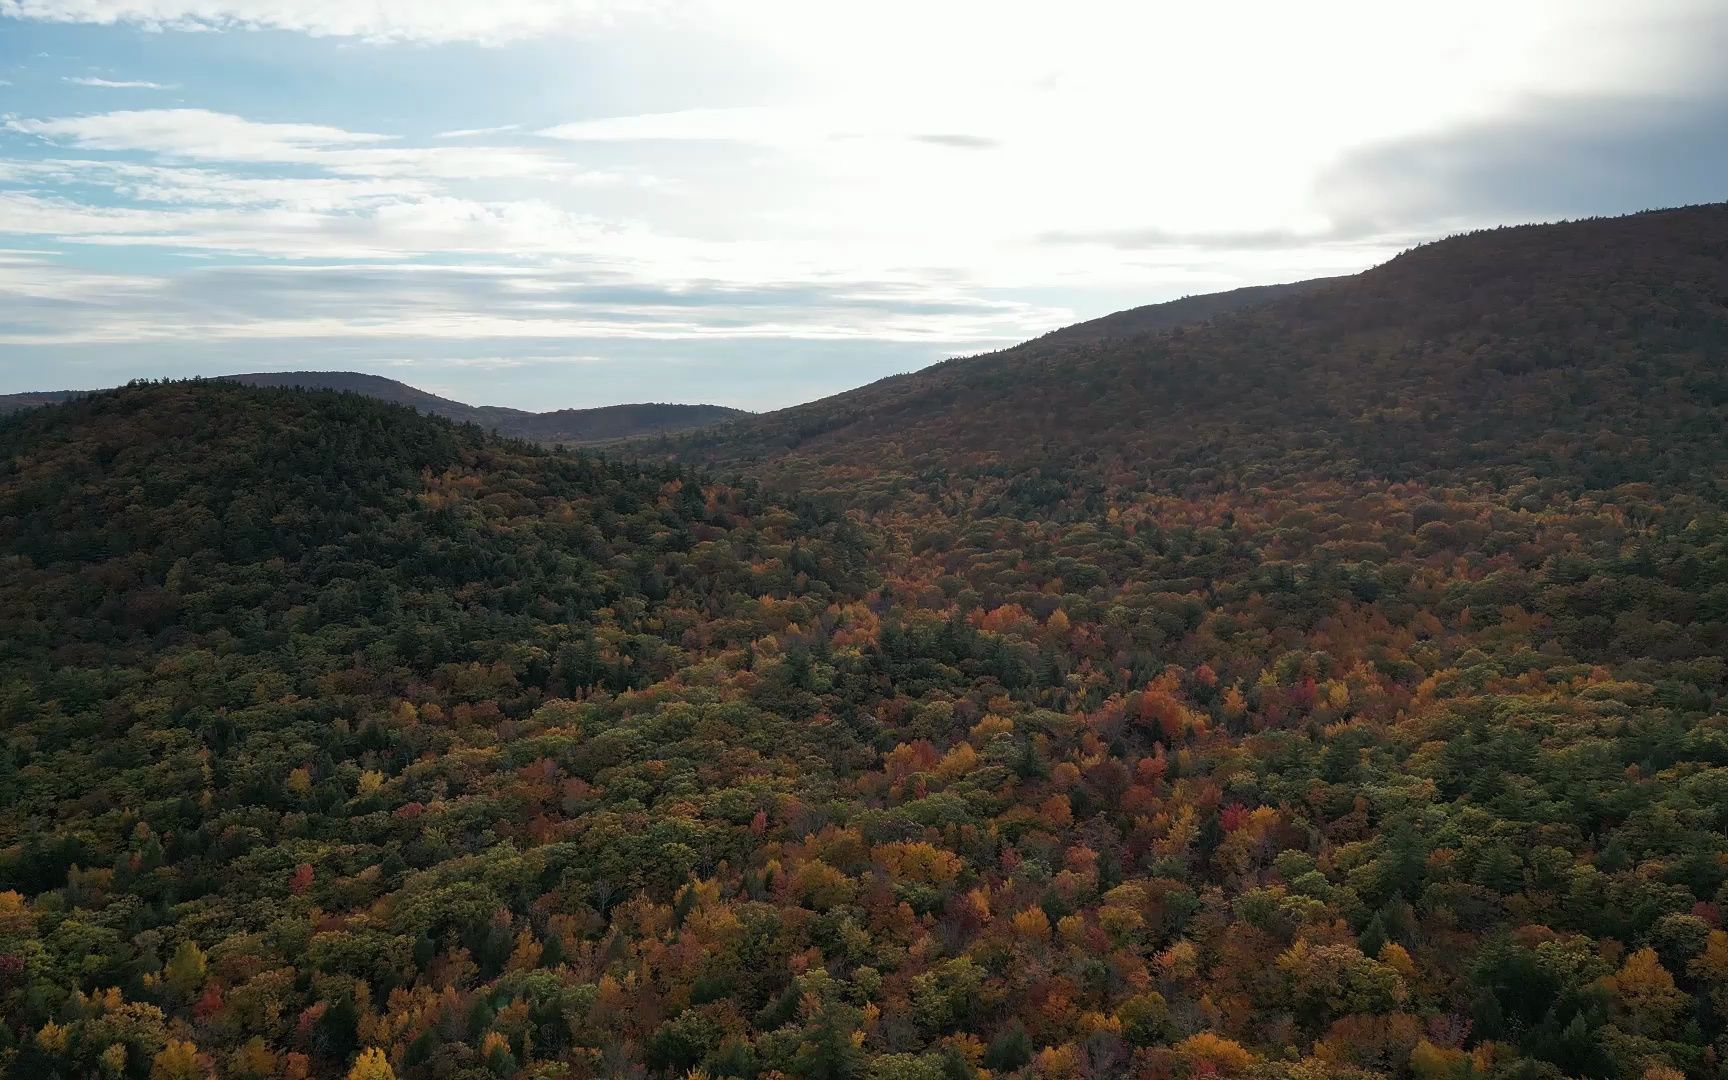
573	426
1453	343
1147	319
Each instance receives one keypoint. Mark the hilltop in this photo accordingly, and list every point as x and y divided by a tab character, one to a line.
1187	311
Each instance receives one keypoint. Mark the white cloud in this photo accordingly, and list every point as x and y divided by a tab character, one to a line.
810	126
747	124
184	186
49	304
203	135
490	363
116	84
388	227
469	133
194	133
383	20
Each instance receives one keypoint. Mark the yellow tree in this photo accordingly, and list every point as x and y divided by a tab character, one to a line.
1032	925
177	1061
252	1061
185	969
371	1065
1712	968
1216	1053
1647	993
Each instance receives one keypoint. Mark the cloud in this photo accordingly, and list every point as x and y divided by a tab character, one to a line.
491	363
779	126
756	124
383	228
194	133
1557	154
1546	158
469	133
185	186
45	303
1535	156
958	140
116	84
491	22
1142	238
203	135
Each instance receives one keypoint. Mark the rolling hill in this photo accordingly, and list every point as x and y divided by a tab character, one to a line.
570	426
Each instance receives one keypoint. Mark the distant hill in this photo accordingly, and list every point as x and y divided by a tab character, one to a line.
571	426
11	403
1590	352
574	426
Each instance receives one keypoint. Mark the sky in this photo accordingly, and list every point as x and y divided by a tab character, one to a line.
568	203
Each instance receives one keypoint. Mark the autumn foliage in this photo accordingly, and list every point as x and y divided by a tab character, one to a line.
1380	736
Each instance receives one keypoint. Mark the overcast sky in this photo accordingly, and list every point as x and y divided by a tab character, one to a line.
551	203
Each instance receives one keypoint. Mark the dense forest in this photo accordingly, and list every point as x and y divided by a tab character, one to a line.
1331	689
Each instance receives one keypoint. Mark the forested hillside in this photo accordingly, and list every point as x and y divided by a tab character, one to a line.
1331	690
274	663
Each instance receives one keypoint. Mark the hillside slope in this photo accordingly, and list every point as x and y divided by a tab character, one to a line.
914	396
1590	350
257	643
